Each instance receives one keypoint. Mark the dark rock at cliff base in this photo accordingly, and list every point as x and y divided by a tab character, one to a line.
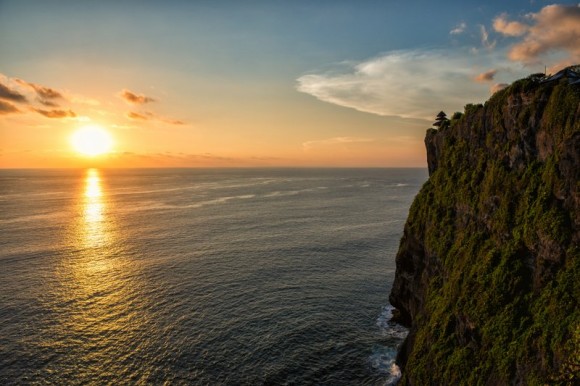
488	269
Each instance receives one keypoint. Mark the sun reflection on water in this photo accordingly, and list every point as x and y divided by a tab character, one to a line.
98	298
94	206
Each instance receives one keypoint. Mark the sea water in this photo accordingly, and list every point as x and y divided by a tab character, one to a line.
200	276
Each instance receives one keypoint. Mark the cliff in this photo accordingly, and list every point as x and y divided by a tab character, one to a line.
488	269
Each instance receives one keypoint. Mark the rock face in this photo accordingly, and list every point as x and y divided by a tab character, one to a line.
488	269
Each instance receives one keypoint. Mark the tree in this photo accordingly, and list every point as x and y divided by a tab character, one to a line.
441	120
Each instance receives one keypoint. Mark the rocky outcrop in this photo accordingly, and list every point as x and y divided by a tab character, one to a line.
488	269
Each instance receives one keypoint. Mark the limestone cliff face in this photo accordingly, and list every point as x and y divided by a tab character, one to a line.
488	269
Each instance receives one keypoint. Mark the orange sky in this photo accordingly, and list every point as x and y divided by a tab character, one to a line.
195	84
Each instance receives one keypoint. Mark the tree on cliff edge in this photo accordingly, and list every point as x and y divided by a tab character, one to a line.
441	120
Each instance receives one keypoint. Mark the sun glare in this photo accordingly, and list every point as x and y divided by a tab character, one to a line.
92	141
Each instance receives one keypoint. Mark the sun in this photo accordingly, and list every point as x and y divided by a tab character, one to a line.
92	141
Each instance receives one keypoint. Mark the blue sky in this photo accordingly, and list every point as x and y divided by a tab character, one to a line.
354	77
238	37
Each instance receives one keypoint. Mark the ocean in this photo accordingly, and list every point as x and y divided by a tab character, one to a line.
200	276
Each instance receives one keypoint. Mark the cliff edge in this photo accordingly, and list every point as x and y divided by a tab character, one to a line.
488	269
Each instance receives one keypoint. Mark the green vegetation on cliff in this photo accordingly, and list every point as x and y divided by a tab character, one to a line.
488	271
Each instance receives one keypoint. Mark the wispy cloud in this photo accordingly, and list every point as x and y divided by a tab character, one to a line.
149	116
486	76
46	95
181	159
56	113
486	42
9	94
408	84
309	145
459	29
134	115
7	108
173	121
29	95
554	30
133	98
140	99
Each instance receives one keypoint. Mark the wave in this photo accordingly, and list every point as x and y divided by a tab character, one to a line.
382	360
383	357
34	217
279	193
220	200
156	205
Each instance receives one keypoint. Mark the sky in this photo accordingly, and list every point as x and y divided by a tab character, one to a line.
260	83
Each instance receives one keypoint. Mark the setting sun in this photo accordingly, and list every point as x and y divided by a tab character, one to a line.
91	141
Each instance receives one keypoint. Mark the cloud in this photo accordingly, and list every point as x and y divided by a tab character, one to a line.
48	103
133	115
497	87
44	93
554	30
485	42
173	121
136	99
11	95
147	116
7	108
485	76
459	29
509	28
56	113
408	84
308	145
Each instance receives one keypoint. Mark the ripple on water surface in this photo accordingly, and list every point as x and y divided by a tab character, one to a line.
200	276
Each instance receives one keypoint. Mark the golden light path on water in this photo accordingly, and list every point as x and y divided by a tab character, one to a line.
94	232
102	307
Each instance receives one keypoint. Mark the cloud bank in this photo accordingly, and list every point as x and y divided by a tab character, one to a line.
408	84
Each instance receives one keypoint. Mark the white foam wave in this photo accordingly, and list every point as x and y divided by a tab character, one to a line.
157	205
383	357
382	360
279	193
388	328
220	200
